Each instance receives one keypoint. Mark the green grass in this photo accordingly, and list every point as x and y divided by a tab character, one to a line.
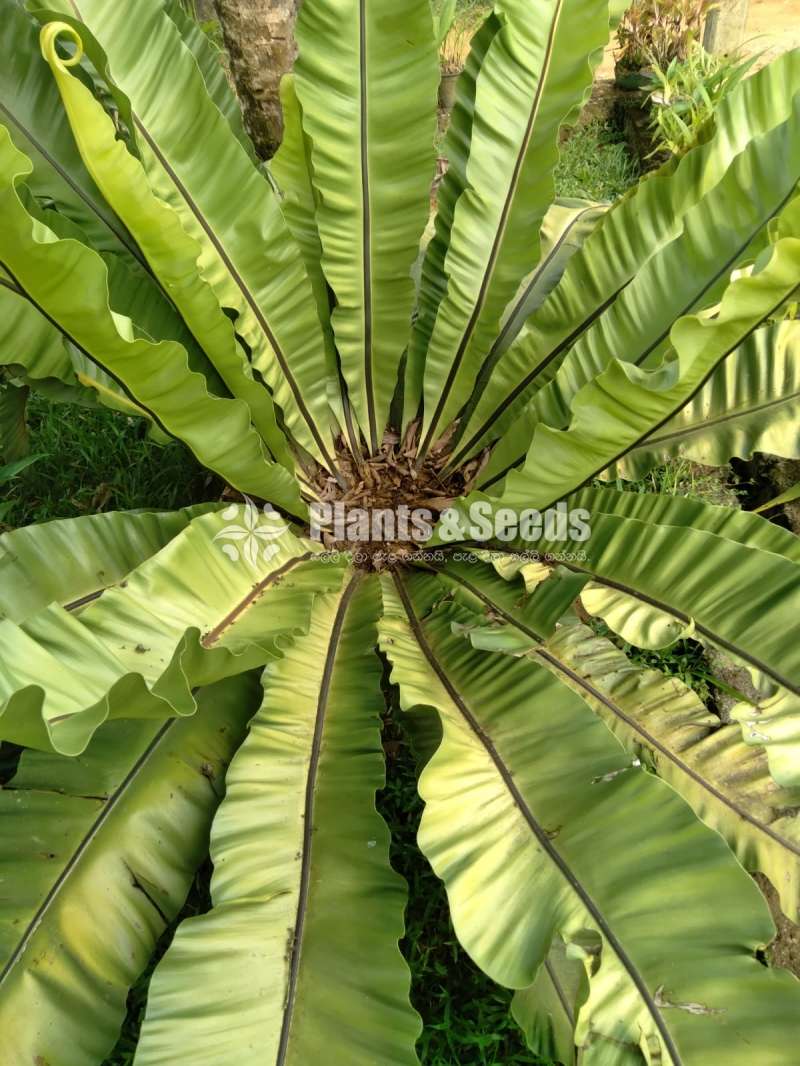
682	477
97	460
595	164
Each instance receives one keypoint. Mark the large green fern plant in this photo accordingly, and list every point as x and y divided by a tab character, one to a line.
592	821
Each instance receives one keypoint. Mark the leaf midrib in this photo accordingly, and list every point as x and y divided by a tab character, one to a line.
539	833
89	837
632	723
732	416
308	817
366	224
234	273
494	254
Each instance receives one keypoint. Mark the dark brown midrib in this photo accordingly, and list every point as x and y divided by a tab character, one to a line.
366	236
488	364
308	818
616	710
488	273
559	991
257	590
102	817
539	833
531	376
122	236
733	416
237	277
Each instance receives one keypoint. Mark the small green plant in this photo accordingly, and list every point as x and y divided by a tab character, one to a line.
686	93
684	477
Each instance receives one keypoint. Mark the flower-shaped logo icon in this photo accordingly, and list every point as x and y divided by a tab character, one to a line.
251	538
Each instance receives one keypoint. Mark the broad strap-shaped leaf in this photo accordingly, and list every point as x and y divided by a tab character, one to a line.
727	783
433	279
247	256
533	78
157	376
750	404
546	1012
366	76
739	598
625	404
565	227
744	527
29	106
302	938
170	251
727	229
291	169
94	553
227	594
209	59
653	583
97	856
643	221
541	827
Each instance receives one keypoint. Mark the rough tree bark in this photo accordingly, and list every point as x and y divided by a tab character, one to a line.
725	26
259	38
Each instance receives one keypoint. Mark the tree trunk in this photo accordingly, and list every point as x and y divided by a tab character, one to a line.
725	26
259	38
